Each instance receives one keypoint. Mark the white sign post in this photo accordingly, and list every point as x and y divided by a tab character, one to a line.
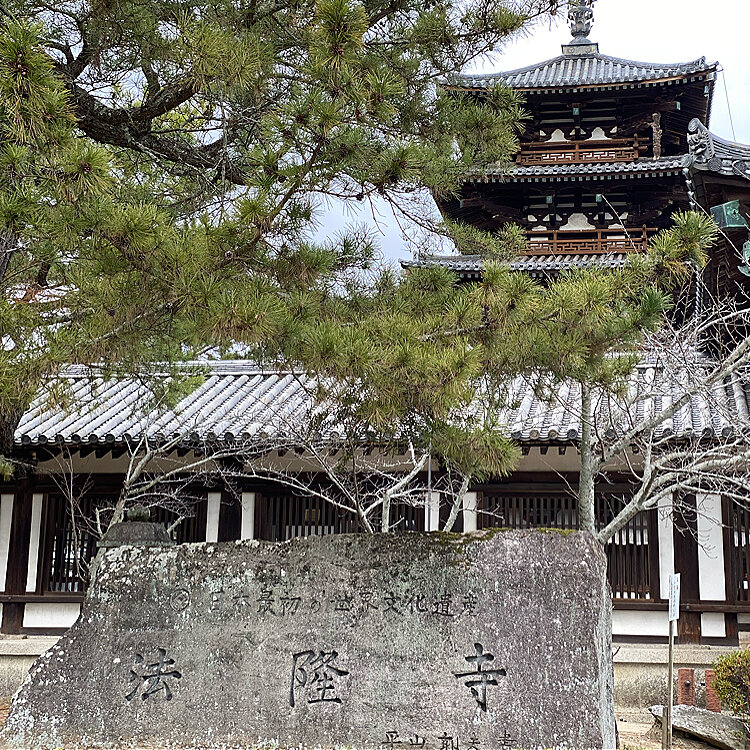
674	615
674	597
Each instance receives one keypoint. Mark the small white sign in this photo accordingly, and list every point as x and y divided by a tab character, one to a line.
674	597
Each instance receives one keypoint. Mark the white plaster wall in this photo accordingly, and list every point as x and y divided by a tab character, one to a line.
713	625
432	512
666	546
53	615
710	549
212	516
598	134
577	221
470	511
6	517
640	623
247	524
35	534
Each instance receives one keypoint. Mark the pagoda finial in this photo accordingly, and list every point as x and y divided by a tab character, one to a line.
581	18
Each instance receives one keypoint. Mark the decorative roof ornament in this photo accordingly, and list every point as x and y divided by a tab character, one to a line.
709	152
581	19
700	142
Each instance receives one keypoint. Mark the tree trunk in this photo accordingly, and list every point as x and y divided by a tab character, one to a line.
8	424
587	477
457	503
385	520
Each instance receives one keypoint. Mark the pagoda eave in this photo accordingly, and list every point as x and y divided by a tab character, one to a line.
580	88
582	172
472	267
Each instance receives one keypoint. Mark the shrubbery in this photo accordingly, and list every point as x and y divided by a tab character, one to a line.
733	681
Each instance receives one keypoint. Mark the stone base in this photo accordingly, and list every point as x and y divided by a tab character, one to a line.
17	654
485	640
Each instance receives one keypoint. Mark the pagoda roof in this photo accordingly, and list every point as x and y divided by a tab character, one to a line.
473	265
635	168
569	71
710	153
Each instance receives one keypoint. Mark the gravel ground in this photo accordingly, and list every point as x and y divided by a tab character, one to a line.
636	735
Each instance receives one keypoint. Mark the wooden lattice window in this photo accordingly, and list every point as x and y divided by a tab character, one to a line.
527	510
285	516
631	561
738	522
70	535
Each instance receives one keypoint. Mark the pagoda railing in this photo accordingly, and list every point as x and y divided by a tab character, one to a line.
585	242
580	152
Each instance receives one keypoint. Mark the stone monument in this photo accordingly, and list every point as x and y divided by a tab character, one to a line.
498	639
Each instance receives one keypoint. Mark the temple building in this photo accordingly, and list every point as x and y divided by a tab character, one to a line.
611	150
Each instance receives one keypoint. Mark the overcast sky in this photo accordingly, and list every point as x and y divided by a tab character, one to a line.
663	31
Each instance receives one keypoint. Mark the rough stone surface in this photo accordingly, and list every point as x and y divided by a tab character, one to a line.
716	729
142	533
17	654
484	641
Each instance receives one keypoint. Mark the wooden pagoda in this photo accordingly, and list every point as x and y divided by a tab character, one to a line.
611	150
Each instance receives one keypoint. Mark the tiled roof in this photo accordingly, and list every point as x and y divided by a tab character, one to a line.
235	398
572	71
528	263
710	153
239	401
721	413
495	173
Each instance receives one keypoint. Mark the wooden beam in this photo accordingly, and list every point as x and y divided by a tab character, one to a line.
18	557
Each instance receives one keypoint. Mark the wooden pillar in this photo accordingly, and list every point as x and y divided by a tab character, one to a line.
686	563
730	569
18	557
229	518
261	524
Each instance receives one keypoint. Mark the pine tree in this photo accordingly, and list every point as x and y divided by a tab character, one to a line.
161	168
161	165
